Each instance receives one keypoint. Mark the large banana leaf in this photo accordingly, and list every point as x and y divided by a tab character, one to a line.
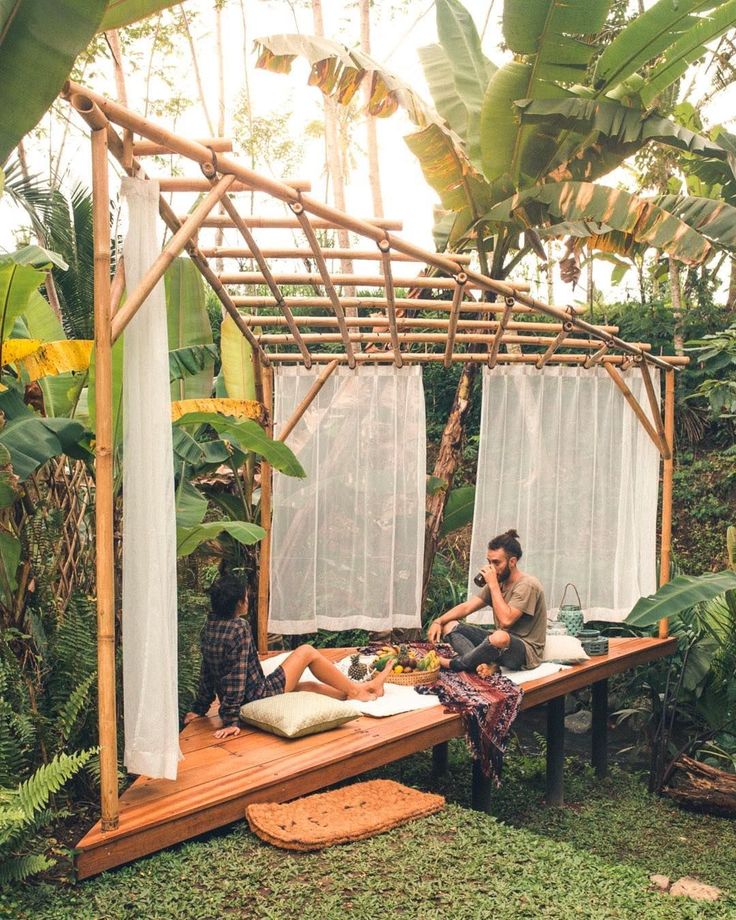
678	595
191	505
189	538
39	41
713	218
185	362
459	509
121	13
248	436
687	49
236	408
644	220
439	76
32	440
17	284
52	358
188	324
237	362
646	38
471	69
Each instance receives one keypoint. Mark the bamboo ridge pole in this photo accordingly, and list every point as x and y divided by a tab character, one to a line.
172	249
418	357
285	223
104	556
667	478
441	284
410	303
422	338
307	401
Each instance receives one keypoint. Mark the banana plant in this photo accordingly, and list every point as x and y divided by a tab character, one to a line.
39	42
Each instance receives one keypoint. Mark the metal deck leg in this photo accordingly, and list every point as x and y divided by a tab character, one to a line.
481	798
440	758
555	751
599	751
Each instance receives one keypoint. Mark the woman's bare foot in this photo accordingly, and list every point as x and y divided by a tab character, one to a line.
373	688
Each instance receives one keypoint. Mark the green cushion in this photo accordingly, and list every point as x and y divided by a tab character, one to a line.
293	715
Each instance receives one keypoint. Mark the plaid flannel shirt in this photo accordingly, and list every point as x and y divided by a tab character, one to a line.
231	670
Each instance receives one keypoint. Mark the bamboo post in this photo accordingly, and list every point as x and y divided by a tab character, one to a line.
105	564
384	248
264	569
667	474
307	401
632	401
454	315
172	249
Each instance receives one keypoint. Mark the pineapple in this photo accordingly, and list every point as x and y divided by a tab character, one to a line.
356	671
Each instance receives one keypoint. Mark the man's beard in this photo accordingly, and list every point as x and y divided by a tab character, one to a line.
503	575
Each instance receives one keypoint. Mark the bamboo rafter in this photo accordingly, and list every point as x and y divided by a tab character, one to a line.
384	247
496	343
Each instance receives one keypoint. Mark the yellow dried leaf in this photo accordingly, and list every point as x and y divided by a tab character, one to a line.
237	408
52	358
15	350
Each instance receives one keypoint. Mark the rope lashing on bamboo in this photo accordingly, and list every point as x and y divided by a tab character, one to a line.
297	209
384	247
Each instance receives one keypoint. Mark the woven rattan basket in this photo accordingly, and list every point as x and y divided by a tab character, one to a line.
413	678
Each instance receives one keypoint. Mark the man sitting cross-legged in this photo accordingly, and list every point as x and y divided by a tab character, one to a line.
519	616
232	671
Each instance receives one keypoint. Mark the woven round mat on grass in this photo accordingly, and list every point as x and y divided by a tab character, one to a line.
351	813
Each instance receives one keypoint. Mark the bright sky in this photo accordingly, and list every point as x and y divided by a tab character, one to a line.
399	28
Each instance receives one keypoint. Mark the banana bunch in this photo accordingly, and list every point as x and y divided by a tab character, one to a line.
430	662
384	656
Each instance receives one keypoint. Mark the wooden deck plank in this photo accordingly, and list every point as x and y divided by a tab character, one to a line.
218	779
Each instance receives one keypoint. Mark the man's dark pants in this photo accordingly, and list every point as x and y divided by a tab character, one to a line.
473	648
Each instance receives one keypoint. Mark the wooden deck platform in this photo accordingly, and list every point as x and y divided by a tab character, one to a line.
217	779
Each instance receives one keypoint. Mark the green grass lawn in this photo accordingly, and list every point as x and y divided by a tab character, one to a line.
591	859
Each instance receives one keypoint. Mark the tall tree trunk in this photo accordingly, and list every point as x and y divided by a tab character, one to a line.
219	233
374	175
335	170
677	306
731	302
197	74
590	292
550	275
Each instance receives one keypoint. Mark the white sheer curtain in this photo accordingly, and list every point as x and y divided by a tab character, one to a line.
565	462
149	530
348	540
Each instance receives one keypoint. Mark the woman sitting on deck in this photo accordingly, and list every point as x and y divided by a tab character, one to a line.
232	671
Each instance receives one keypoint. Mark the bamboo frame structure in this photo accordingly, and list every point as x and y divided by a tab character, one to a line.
413	336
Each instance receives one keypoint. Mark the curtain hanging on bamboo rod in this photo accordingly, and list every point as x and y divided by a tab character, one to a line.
565	462
149	529
348	541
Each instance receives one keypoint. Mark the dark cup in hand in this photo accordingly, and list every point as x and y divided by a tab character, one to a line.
480	580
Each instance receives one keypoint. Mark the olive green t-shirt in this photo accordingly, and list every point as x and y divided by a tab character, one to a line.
526	595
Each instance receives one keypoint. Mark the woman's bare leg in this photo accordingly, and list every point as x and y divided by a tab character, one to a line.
326	673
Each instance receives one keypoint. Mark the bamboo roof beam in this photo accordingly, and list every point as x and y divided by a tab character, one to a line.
151	148
665	449
172	249
496	344
200	154
554	345
242	252
285	223
92	114
425	338
672	361
307	401
440	284
384	248
409	303
454	316
266	271
633	402
197	184
412	322
597	357
324	272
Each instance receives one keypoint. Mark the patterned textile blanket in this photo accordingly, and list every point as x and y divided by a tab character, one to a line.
488	707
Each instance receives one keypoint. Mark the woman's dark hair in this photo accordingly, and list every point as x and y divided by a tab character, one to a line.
225	594
508	542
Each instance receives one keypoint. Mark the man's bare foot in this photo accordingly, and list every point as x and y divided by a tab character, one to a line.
444	663
373	688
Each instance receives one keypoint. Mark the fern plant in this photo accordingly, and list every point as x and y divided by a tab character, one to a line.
24	812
